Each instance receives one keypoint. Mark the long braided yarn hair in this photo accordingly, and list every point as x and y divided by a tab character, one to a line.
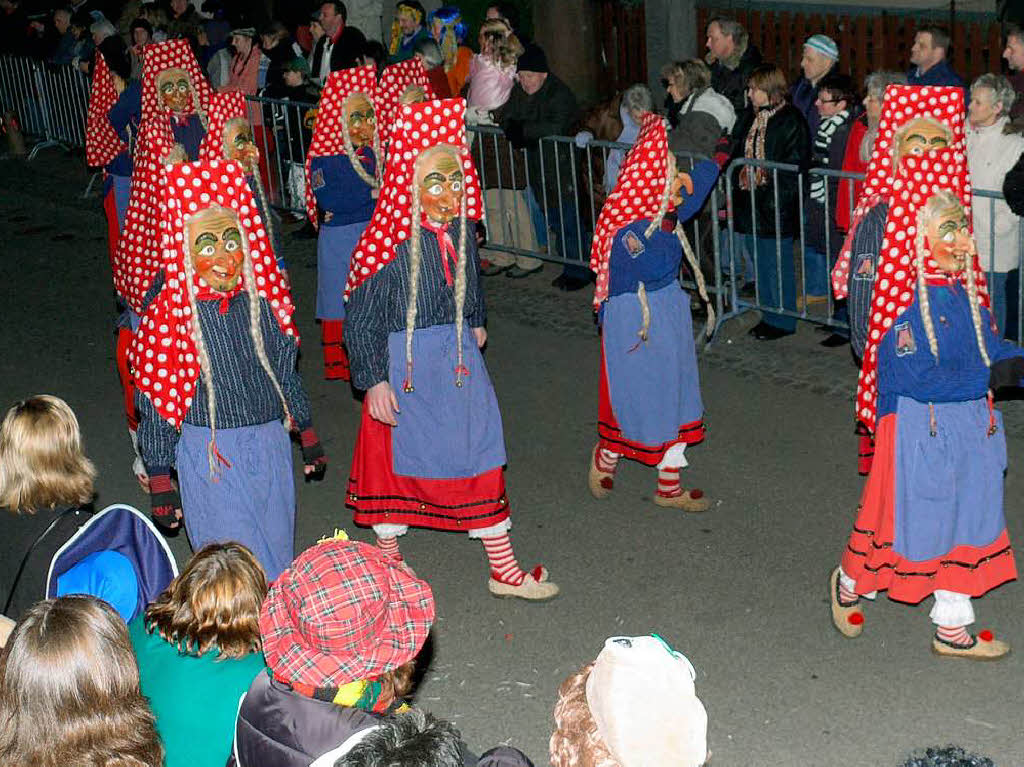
941	204
414	266
255	332
346	137
254	177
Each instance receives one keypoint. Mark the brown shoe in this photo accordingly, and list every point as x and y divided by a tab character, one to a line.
601	483
848	619
692	500
984	647
535	587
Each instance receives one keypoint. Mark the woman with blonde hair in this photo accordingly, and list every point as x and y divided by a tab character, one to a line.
69	691
198	647
46	489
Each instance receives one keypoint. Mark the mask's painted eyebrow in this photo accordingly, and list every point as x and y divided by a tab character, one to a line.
232	233
434	177
939	140
206	238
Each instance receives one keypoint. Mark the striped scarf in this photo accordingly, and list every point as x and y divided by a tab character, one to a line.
822	144
754	149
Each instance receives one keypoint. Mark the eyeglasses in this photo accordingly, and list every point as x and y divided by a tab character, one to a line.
820	100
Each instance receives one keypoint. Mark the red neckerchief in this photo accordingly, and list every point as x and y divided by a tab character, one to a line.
337	35
448	252
205	293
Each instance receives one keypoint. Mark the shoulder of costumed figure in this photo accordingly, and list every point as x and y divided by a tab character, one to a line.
419	127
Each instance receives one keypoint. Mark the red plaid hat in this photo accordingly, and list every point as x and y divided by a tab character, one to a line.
344	611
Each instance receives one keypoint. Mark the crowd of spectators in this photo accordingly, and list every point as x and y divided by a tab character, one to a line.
730	104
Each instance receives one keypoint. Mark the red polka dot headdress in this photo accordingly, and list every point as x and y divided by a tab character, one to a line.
222	108
331	127
419	127
917	179
164	355
138	255
394	81
639	193
102	144
902	104
171	54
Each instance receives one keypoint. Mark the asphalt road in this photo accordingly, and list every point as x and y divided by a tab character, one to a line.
740	590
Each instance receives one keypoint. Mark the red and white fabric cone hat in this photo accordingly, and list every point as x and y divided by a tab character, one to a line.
138	255
394	81
638	193
917	178
328	138
171	54
222	107
419	127
902	104
102	144
163	352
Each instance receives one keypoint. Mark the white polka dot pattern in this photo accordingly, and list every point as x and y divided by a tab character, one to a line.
170	54
138	254
222	107
327	136
102	143
637	194
394	81
163	351
902	103
917	179
416	131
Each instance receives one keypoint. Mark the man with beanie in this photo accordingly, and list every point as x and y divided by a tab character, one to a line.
540	105
820	56
930	65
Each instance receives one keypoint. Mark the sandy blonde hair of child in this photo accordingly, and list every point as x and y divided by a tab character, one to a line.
42	465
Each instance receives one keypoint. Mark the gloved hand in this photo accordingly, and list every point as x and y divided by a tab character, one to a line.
165	503
583	139
1005	373
514	133
313	456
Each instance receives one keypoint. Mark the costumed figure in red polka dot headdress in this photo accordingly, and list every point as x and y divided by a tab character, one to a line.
430	451
214	361
229	136
913	120
930	520
650	406
111	130
342	186
403	83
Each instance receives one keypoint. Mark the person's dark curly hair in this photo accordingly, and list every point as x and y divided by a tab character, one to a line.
411	739
950	756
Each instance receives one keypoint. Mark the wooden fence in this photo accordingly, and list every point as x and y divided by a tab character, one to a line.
866	42
623	37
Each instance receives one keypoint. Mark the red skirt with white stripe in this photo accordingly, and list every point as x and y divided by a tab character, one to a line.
871	561
378	495
610	436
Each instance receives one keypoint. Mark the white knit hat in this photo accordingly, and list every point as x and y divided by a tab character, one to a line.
642	697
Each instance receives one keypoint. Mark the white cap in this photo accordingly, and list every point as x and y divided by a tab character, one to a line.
642	697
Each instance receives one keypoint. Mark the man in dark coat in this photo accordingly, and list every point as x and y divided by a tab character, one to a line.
819	59
731	59
340	47
1014	55
930	65
542	105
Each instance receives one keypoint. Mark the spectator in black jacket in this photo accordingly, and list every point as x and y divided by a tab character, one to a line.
540	105
765	202
731	59
280	48
340	47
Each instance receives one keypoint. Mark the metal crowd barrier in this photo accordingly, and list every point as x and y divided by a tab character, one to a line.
543	203
50	101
